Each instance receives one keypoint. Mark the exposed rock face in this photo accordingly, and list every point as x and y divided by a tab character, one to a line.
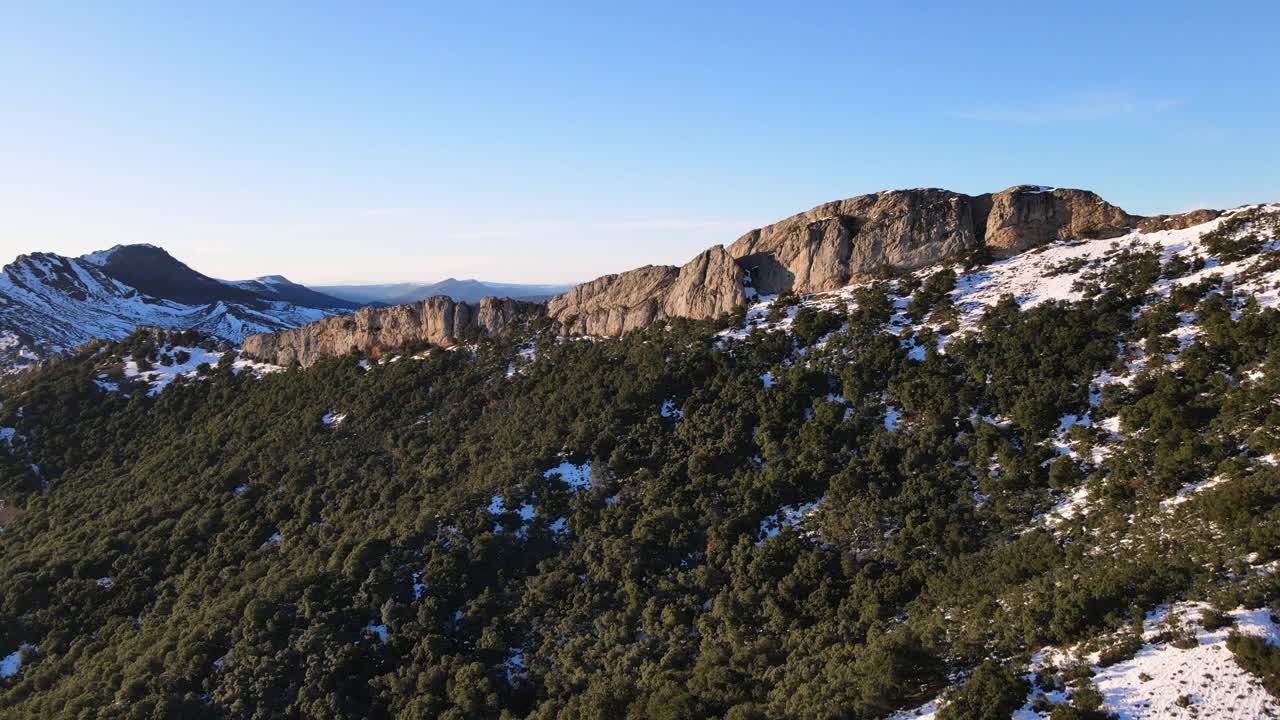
822	249
614	304
1027	216
708	285
838	242
437	320
1156	223
828	246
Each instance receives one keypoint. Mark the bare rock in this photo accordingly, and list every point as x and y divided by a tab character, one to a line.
437	320
1181	221
1027	216
832	244
705	287
822	249
614	304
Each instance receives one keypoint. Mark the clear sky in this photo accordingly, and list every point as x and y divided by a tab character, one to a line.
551	142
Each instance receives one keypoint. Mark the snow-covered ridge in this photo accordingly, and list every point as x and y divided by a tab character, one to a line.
50	304
1054	272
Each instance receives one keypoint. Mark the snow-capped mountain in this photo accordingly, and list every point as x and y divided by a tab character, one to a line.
469	291
50	303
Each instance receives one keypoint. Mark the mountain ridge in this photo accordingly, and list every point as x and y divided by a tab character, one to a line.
51	303
463	290
821	249
1042	487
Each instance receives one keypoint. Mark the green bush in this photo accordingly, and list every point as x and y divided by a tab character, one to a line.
992	692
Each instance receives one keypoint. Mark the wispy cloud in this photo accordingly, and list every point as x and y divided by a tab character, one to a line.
1073	107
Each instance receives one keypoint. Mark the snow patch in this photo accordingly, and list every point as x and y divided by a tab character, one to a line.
577	477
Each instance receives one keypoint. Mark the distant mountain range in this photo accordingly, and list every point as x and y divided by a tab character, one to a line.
470	291
50	303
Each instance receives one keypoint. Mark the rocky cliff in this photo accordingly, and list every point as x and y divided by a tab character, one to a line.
842	241
831	244
710	284
820	249
437	320
1028	216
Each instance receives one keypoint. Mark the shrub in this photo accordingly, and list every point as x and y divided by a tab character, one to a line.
1124	648
811	324
1258	657
781	304
993	692
1215	619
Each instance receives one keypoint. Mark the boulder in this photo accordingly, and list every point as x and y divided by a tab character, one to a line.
1027	216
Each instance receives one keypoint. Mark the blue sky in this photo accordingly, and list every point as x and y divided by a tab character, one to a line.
550	142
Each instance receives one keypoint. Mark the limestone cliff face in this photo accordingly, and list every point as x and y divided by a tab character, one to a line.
828	246
1026	216
839	242
710	284
437	320
822	249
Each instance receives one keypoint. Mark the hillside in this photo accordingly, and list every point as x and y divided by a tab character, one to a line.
1032	484
51	304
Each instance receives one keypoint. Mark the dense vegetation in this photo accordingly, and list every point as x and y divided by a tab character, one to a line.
833	541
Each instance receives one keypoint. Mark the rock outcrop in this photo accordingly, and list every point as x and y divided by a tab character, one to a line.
1027	216
1182	221
821	249
839	242
437	320
828	246
708	285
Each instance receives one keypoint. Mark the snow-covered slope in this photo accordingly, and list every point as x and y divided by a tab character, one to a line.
1180	669
1058	271
50	303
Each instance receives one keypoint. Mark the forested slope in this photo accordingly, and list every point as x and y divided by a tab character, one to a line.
835	506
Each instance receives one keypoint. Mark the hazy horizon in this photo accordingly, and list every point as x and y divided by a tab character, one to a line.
523	146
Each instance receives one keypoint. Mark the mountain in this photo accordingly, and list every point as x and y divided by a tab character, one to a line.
50	303
280	288
839	242
1035	483
468	291
822	249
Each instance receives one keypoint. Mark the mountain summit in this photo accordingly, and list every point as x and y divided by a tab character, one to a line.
838	242
50	303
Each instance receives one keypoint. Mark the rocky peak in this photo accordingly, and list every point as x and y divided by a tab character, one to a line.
838	242
821	249
1027	216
